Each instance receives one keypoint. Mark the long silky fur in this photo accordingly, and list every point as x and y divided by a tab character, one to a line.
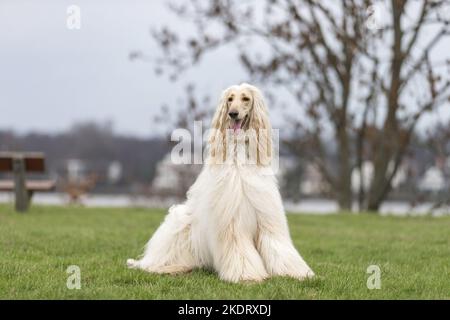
233	220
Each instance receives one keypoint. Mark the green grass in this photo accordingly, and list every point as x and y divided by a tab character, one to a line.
36	248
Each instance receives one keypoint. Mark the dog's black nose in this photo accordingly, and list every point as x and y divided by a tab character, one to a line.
233	114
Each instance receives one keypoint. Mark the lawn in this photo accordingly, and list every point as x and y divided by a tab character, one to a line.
36	249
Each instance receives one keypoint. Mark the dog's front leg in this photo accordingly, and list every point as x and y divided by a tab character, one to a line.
236	258
277	250
275	246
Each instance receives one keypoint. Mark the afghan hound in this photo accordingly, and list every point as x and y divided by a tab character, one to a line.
233	220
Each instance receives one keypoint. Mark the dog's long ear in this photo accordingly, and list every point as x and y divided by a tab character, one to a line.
218	131
260	123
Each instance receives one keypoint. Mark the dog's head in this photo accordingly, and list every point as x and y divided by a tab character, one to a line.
241	111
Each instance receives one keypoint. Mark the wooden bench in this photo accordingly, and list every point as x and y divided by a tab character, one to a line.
19	164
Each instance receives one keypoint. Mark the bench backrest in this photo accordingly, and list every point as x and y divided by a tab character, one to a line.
34	161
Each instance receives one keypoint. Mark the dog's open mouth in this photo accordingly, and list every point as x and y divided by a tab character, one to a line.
237	124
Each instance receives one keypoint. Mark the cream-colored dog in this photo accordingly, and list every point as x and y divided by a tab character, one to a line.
233	219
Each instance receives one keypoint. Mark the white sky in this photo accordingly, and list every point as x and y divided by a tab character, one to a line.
51	77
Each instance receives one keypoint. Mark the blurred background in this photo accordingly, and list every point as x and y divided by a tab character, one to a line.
360	91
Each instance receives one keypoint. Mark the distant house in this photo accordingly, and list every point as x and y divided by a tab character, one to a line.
433	180
114	172
173	179
76	170
368	171
166	175
312	182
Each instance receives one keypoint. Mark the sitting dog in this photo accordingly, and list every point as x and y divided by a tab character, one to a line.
233	220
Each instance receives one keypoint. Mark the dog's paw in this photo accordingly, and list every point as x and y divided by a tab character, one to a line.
253	280
132	264
301	275
244	277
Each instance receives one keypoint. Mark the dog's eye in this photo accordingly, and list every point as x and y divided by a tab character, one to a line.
246	99
230	99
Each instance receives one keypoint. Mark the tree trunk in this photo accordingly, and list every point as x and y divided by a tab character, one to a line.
343	185
388	140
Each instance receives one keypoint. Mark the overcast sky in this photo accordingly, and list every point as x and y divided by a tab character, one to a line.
51	77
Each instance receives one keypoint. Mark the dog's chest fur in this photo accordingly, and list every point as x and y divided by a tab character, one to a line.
230	205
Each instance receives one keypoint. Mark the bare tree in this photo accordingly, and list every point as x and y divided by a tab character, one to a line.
363	82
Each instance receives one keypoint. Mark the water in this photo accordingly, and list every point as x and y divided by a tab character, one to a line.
311	206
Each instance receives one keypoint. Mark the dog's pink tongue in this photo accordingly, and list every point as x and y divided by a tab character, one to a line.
237	125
